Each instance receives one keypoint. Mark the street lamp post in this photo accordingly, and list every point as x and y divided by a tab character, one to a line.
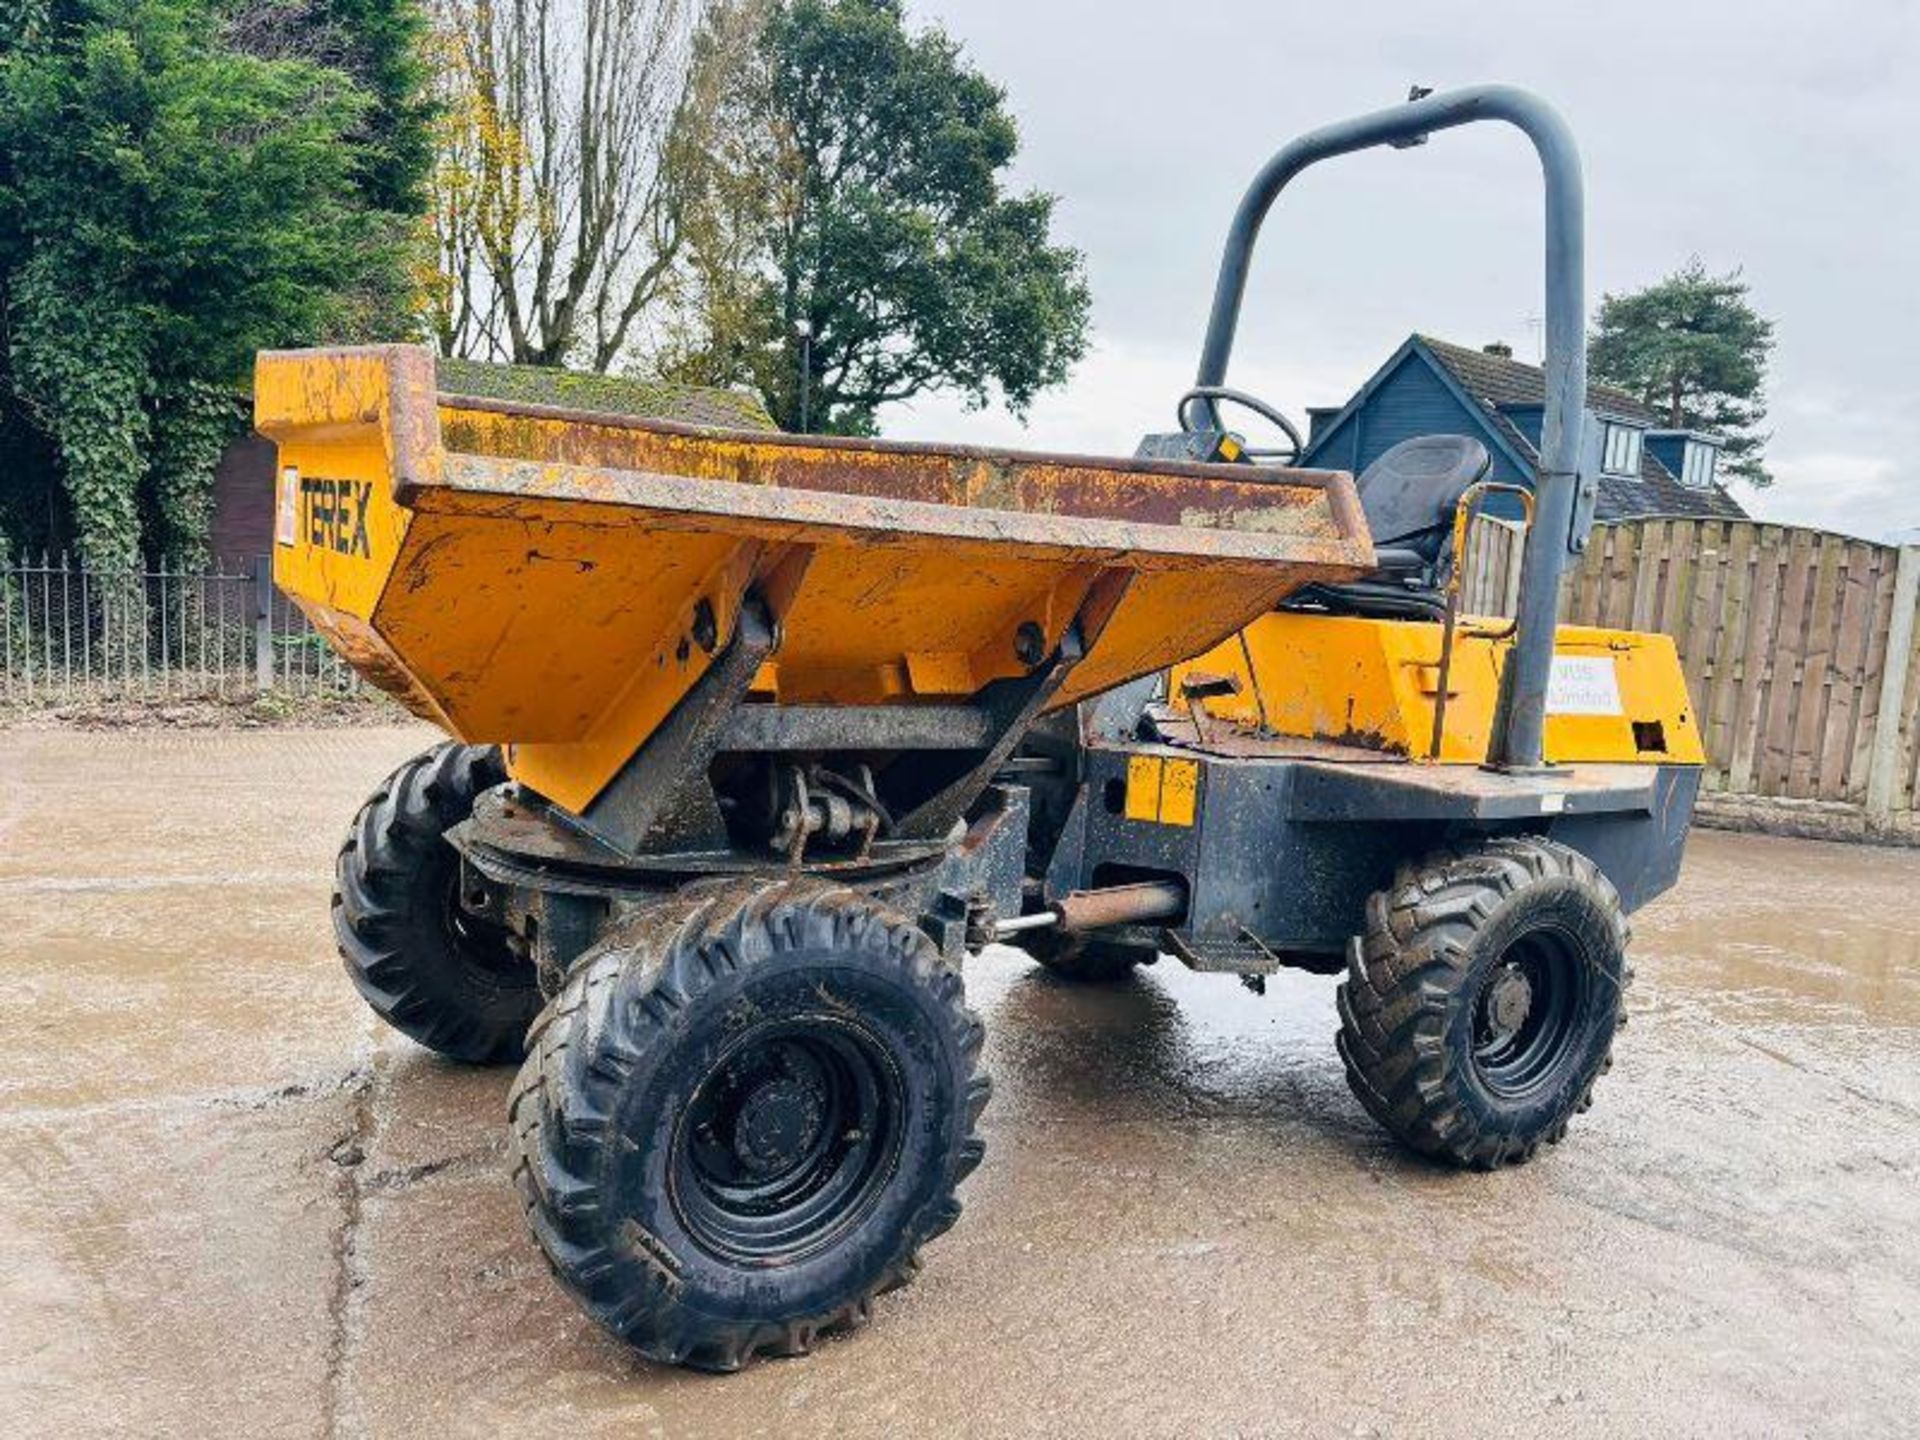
803	332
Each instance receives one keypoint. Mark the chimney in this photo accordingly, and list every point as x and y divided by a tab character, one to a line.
1499	349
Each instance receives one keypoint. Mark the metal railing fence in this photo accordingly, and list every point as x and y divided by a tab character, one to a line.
73	633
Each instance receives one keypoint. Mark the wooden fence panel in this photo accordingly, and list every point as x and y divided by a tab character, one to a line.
1578	582
1718	702
1491	580
1848	740
1782	632
1772	750
1873	666
1649	577
1907	773
1623	566
1755	657
1813	684
1707	591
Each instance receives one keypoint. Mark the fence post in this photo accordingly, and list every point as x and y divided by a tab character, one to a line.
1885	757
263	622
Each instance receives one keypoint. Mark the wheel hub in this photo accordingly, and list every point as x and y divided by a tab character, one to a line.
790	1138
1509	1002
1528	1013
778	1123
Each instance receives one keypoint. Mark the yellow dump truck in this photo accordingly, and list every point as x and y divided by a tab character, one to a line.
754	737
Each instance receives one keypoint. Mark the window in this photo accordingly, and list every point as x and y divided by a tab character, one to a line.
1696	470
1620	454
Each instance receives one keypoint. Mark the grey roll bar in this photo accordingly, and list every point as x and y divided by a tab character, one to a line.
1520	719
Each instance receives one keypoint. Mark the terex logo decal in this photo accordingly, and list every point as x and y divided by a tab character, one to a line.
333	514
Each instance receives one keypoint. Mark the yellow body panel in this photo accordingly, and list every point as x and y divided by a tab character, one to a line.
1143	787
1619	695
1162	791
334	501
556	581
1179	791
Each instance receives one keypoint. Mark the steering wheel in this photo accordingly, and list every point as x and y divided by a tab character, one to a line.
1250	402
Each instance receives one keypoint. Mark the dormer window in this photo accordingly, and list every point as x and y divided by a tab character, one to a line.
1690	456
1620	449
1696	471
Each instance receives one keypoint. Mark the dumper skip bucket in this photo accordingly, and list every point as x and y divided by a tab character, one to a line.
556	580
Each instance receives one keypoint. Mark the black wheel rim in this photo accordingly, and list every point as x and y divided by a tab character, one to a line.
1526	1012
788	1141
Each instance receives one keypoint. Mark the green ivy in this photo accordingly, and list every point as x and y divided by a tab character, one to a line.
81	368
170	204
192	423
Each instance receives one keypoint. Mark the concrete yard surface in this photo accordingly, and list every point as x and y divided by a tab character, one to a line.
233	1204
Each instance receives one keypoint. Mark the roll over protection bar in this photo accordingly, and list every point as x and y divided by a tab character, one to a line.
1560	519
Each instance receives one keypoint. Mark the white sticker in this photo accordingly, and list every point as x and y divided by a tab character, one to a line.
1583	685
285	505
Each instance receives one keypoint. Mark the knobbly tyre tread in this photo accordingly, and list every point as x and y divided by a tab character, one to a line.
1404	980
622	997
399	955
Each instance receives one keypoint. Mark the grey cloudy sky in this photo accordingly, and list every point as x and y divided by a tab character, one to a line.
1779	137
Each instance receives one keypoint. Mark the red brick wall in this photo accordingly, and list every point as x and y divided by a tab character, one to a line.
243	501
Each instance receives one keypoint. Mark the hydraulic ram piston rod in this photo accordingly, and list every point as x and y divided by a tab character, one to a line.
1101	909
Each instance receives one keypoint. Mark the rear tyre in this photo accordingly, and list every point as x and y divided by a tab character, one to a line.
743	1115
1481	1004
426	965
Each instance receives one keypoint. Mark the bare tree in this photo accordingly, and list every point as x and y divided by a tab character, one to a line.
556	217
739	177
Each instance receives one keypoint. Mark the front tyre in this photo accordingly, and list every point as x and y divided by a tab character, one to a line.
427	966
743	1115
1481	1004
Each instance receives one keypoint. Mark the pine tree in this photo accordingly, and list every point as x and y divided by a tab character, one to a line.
1693	348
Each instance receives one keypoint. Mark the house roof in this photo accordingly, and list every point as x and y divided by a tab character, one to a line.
1499	384
1500	380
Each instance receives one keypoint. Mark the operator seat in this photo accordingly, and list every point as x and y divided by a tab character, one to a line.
1409	495
1411	492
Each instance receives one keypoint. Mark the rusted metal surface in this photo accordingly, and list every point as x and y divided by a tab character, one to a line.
535	576
661	799
1463	514
1120	905
1012	705
1146	491
1335	789
668	503
1234	741
338	388
1368	681
521	839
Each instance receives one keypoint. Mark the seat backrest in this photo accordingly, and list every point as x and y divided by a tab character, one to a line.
1409	493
